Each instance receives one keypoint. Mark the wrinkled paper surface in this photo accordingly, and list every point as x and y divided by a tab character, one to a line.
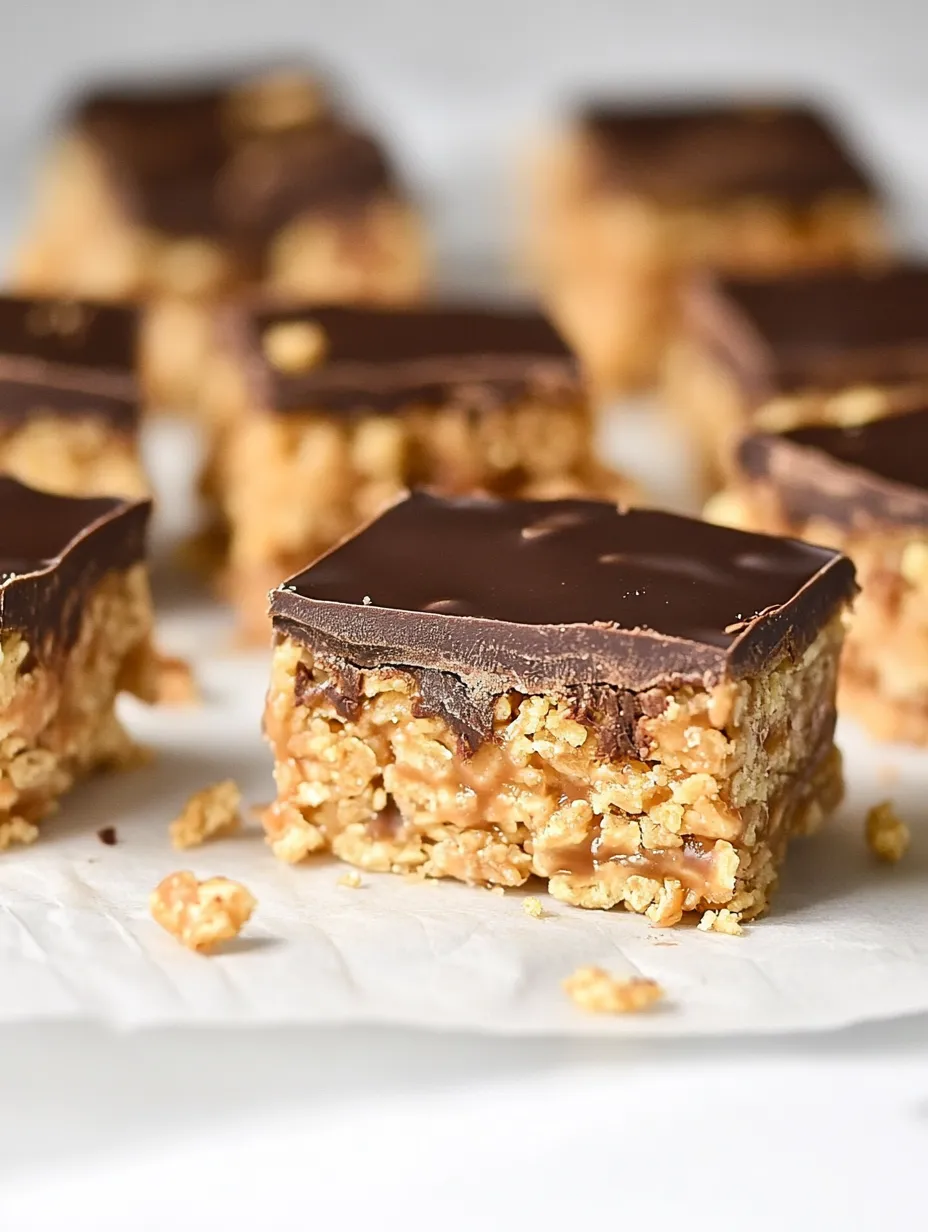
847	940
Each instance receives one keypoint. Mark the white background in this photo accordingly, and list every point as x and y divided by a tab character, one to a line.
298	1129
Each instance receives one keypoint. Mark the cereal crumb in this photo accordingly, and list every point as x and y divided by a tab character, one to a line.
497	890
532	906
598	992
209	813
887	834
201	914
177	685
17	831
724	921
294	346
351	880
108	836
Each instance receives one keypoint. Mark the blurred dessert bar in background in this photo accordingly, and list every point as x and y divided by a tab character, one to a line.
69	399
320	416
863	490
632	197
176	194
635	706
830	347
75	632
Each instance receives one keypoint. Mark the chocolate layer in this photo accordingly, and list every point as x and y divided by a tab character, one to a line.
849	476
705	153
563	596
53	551
183	159
382	359
70	356
824	330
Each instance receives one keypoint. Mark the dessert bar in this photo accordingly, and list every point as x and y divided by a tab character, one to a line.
178	193
321	415
634	706
75	631
69	399
632	197
863	490
829	347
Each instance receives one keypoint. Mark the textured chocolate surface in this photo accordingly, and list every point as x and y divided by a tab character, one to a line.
68	356
850	476
180	163
570	596
700	154
383	359
824	330
53	551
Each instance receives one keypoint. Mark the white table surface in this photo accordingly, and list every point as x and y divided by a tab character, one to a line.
285	1128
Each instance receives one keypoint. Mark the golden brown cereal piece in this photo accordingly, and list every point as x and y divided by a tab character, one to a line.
275	102
294	346
888	836
532	906
177	684
201	914
351	880
598	992
209	813
17	831
723	921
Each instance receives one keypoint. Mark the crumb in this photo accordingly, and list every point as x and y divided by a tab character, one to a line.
723	921
176	683
17	831
495	889
532	906
416	876
887	834
294	346
209	813
108	836
351	880
598	992
201	914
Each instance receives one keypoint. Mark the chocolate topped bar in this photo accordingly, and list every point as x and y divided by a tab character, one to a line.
54	550
706	153
849	476
825	330
233	159
373	359
482	596
68	355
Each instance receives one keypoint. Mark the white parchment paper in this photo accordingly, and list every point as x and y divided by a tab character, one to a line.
847	940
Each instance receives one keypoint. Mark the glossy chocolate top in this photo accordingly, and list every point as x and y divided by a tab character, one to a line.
704	153
550	595
824	330
382	359
877	471
69	356
232	159
53	551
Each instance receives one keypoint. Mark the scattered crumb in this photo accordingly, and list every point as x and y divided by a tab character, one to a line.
887	834
209	813
496	889
417	876
108	836
351	880
17	831
598	992
723	921
294	346
201	914
533	907
177	685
